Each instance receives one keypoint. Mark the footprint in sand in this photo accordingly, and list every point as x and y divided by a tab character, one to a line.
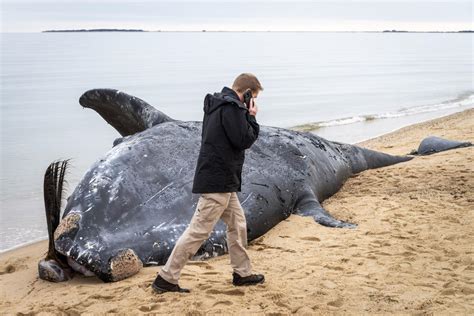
146	285
235	292
336	303
337	268
204	286
13	265
274	296
7	269
101	297
310	238
467	290
149	308
201	264
470	267
263	247
302	310
328	284
227	303
428	285
448	292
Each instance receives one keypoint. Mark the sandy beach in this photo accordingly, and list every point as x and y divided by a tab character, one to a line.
412	252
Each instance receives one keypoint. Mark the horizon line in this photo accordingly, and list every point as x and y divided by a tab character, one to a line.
241	31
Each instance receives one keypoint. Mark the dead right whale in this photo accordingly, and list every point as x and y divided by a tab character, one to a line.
135	201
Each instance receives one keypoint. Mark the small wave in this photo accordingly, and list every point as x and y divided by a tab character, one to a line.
464	100
22	244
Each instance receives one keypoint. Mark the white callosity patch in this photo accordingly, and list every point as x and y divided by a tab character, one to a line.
67	224
124	264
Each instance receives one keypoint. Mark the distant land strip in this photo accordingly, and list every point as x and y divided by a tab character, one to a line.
244	31
95	30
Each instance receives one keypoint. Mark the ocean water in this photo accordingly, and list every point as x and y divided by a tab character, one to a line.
350	86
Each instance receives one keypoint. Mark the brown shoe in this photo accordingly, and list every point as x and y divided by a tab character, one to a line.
248	280
160	285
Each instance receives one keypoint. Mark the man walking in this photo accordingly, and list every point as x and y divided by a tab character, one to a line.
228	128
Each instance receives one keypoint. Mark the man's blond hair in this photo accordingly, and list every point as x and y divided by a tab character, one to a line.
247	81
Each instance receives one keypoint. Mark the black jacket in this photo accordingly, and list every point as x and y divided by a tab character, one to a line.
227	130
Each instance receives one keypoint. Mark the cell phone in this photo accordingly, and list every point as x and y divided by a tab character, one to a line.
247	97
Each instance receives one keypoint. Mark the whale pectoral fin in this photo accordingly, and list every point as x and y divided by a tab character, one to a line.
126	113
315	210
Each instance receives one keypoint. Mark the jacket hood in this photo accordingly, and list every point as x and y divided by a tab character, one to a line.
214	101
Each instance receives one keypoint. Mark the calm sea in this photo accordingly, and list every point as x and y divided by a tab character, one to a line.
352	86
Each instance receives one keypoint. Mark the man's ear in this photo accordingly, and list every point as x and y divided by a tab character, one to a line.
241	96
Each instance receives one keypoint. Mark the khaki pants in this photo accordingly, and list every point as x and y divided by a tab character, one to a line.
211	207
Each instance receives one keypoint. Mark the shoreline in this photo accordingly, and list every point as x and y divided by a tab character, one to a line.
409	125
411	252
422	125
374	125
17	247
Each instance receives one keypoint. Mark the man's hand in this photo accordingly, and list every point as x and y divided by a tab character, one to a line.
253	109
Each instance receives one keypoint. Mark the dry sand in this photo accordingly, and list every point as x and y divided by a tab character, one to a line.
412	252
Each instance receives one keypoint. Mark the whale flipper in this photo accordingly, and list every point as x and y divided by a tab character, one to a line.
54	266
126	113
309	206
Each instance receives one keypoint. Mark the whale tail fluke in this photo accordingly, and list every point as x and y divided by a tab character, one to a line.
54	267
433	144
126	113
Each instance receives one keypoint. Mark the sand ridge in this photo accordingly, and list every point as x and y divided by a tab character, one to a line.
412	252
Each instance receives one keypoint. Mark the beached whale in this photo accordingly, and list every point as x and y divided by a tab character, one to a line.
135	201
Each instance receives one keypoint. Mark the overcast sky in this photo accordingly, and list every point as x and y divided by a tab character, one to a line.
315	15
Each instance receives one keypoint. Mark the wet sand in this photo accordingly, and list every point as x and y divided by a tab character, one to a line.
412	252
